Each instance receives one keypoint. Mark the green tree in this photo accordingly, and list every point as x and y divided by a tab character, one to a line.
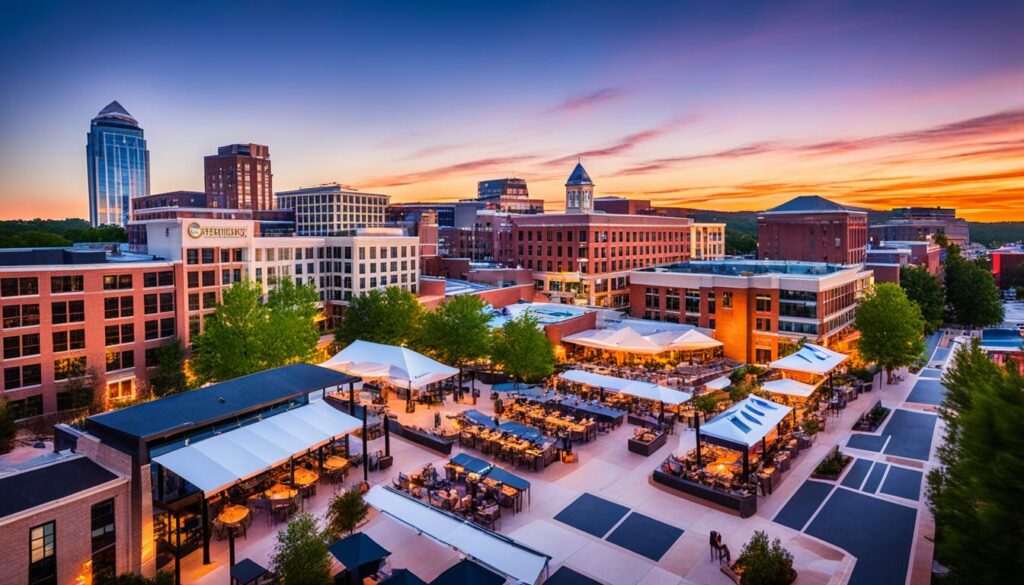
391	316
168	377
523	350
975	494
82	386
925	290
739	243
346	510
8	428
292	331
458	331
972	297
1017	280
300	555
765	563
231	344
891	328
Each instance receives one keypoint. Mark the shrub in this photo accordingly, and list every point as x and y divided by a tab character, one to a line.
832	465
764	563
300	555
345	512
811	426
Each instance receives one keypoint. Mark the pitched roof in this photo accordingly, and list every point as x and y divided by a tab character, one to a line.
116	111
812	204
579	176
219	401
35	487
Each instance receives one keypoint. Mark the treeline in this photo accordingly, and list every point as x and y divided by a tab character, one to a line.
996	234
30	233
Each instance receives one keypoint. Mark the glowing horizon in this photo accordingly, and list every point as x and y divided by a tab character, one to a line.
689	106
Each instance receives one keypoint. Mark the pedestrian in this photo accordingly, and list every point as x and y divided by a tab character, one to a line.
713	542
437	420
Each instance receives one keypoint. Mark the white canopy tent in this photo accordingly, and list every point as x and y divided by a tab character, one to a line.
399	364
811	359
629	340
719	383
788	387
504	555
746	422
636	388
216	463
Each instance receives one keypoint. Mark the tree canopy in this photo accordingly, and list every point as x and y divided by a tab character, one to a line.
523	350
458	331
168	377
301	556
390	316
346	510
924	289
243	335
23	233
891	327
976	493
972	297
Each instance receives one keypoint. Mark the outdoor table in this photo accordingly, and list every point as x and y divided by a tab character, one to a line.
232	516
280	492
305	477
336	462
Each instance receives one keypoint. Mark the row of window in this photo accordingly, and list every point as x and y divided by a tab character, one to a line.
103	539
25	286
209	255
603	236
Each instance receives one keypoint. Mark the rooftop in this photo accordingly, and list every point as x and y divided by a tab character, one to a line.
218	401
70	256
751	268
812	204
115	111
579	176
544	313
462	287
34	487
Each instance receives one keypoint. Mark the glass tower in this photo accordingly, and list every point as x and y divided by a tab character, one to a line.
118	165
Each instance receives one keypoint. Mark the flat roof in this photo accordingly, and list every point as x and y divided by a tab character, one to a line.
454	286
544	313
751	267
35	487
219	401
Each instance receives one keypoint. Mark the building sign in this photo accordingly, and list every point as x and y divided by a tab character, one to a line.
197	231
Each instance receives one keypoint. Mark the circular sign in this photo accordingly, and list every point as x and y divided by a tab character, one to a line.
195	230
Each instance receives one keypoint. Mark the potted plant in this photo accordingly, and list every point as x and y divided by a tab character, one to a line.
764	563
345	512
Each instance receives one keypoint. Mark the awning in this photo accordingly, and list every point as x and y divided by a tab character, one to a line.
402	577
719	383
216	463
470	463
636	388
499	553
630	340
522	431
357	549
401	365
466	572
477	417
746	422
788	387
508	478
810	359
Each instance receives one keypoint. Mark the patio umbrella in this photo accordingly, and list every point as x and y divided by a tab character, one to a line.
403	577
467	572
357	550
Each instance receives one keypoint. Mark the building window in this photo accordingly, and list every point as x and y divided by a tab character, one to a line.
652	300
117	281
193	279
761	324
42	569
21	346
22	377
117	307
763	303
762	355
194	325
66	284
209	300
68	340
20	316
208	256
154	279
19	287
209	277
120	360
104	540
67	312
727	300
711	304
121	389
118	334
692	300
192	256
64	368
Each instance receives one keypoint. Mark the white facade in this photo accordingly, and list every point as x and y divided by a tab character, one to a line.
707	241
331	209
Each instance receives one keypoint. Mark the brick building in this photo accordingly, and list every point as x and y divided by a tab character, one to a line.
922	223
239	177
1005	261
510	195
754	307
810	228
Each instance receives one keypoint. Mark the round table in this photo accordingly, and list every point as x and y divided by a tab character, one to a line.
305	477
233	515
279	491
335	462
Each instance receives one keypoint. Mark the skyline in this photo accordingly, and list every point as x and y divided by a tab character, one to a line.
689	106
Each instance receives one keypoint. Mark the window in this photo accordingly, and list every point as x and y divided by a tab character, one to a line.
711	305
762	355
19	287
192	256
209	277
120	360
209	300
194	325
154	279
193	279
727	300
761	324
651	298
117	281
66	284
104	540
22	377
121	389
119	334
208	256
193	301
763	303
68	340
42	569
64	368
17	346
20	316
692	300
150	304
117	307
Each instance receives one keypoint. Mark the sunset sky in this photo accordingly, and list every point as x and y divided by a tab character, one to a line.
715	105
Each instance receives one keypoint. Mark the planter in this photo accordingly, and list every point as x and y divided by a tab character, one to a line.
833	458
646	449
735	572
872	419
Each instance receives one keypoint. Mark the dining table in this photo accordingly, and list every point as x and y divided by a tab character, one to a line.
305	477
336	462
278	492
233	515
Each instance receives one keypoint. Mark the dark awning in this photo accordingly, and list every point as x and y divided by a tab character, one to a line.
467	572
402	577
246	571
471	463
508	478
356	550
477	417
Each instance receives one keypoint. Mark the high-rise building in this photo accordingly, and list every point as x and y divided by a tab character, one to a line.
579	191
332	208
239	177
811	228
118	165
509	195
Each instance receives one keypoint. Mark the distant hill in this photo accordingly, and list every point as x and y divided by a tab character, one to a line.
28	233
